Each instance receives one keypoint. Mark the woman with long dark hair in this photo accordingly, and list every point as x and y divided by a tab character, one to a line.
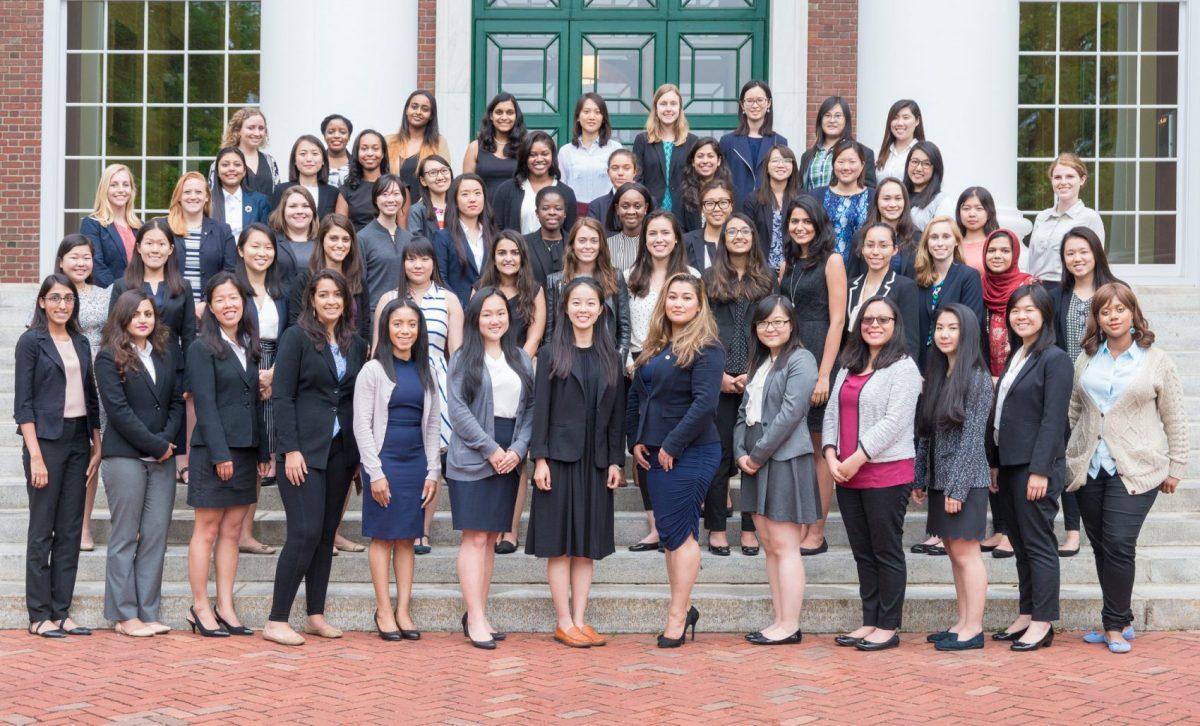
662	148
847	199
490	396
951	463
892	208
586	255
716	201
466	240
975	216
368	161
579	408
514	203
308	167
397	426
877	247
780	184
428	213
631	203
584	161
233	202
923	178
705	164
337	249
834	123
904	126
418	138
493	153
755	134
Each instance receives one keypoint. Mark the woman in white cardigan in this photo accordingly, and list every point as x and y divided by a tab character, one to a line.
397	425
1129	441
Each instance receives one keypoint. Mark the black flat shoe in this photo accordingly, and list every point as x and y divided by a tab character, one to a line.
1002	554
1006	636
1046	641
718	550
1068	553
938	637
810	551
50	633
986	548
755	634
918	549
504	547
892	642
847	641
644	547
77	630
422	549
749	551
792	639
236	629
953	644
935	550
269	481
388	635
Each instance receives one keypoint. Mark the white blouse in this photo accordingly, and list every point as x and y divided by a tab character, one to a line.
894	167
585	169
529	219
1006	382
145	354
754	392
268	317
506	387
238	350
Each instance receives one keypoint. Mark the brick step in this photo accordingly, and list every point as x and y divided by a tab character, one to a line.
642	608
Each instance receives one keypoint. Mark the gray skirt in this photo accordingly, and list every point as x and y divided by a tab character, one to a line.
781	491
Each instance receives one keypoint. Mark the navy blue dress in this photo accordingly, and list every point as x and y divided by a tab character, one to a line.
403	461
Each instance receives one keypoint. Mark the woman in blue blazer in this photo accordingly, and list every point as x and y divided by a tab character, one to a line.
112	224
670	420
230	192
942	278
465	243
745	147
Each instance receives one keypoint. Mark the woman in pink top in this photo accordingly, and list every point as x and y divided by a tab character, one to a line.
976	217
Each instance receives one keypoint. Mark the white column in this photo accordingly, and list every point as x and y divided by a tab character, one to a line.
960	65
789	69
354	57
453	70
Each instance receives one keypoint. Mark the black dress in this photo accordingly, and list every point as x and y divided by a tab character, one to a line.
518	324
810	296
494	171
575	518
362	207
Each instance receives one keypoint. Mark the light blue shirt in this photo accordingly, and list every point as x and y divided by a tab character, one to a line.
1104	380
339	362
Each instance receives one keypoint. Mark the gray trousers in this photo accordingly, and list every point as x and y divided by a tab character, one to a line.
141	496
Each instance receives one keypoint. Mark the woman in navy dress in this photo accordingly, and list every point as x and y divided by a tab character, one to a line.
396	425
670	420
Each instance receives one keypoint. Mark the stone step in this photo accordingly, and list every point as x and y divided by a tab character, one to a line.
642	608
1160	528
1155	565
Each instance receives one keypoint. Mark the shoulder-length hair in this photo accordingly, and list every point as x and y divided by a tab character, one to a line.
562	341
654	130
743	127
417	248
791	188
827	106
352	265
526	148
693	185
420	349
426	194
989	208
343	330
760	353
946	390
115	335
135	271
380	187
217	186
470	362
605	132
603	272
1101	275
885	148
1044	303
233	129
487	130
69	243
431	137
643	263
41	321
856	355
697	335
923	198
850	146
278	218
721	280
175	216
273	279
1105	295
526	284
821	245
613	219
354	175
906	231
451	218
294	171
922	260
102	210
247	328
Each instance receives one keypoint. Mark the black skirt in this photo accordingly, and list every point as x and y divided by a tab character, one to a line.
970	523
207	491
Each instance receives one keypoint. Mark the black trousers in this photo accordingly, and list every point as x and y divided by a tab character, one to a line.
716	511
313	510
1031	532
1113	518
56	522
998	524
874	520
1071	514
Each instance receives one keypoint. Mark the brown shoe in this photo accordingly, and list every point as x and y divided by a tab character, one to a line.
572	638
593	637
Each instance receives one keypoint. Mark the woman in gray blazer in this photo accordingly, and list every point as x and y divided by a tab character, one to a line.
490	401
774	451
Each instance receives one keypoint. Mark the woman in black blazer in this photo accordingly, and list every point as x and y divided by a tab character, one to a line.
313	394
537	169
1027	440
337	249
943	278
58	418
143	398
877	246
670	424
767	205
578	411
546	244
662	149
203	246
308	167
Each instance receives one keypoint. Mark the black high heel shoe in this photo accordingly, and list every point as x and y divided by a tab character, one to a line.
484	644
1046	641
194	621
692	617
231	629
388	635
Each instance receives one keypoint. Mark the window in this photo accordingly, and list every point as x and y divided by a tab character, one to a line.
150	84
1101	79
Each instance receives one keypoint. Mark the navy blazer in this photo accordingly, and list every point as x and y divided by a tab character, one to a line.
218	250
960	286
326	200
459	277
144	413
696	246
904	293
679	408
1033	427
108	251
652	166
40	386
598	210
255	207
735	149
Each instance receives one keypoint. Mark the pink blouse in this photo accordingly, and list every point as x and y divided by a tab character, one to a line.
871	475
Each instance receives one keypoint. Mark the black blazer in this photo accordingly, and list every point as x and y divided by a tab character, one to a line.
1062	306
652	165
544	261
40	385
761	215
696	245
178	313
326	200
1033	424
679	409
806	160
282	309
960	286
360	302
617	306
907	297
228	405
218	250
506	205
559	411
144	413
598	209
308	396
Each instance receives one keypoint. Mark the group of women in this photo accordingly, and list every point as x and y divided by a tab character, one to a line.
378	321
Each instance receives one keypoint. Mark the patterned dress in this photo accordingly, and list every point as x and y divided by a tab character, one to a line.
847	214
93	314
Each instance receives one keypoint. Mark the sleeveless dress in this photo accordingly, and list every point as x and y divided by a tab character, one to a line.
810	296
403	462
494	171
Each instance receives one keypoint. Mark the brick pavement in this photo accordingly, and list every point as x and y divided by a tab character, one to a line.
180	678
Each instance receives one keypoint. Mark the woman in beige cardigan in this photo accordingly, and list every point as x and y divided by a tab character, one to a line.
1129	441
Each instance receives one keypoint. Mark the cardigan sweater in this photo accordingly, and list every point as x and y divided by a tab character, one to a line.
887	409
953	460
372	393
1146	430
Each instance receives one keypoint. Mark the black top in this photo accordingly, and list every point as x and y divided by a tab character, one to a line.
40	385
1033	423
262	180
652	161
178	313
408	174
509	196
733	327
697	247
494	171
228	404
144	414
566	410
360	304
763	217
362	209
545	257
617	307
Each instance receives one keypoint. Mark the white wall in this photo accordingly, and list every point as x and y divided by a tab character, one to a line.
353	57
454	76
789	68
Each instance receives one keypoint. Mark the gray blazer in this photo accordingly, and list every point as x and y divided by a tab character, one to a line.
786	397
473	425
957	456
887	411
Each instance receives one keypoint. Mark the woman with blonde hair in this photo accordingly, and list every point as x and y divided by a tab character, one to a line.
662	149
112	224
943	277
203	246
247	130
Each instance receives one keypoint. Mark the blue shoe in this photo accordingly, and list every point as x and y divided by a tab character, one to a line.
1097	637
1114	647
938	637
975	643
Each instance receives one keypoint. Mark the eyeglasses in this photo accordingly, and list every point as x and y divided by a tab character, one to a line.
739	233
754	102
722	204
837	116
781	161
437	173
881	246
919	164
57	299
880	320
772	324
